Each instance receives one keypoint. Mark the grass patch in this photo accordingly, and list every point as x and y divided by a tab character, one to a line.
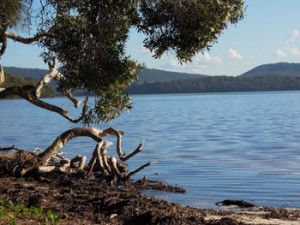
11	213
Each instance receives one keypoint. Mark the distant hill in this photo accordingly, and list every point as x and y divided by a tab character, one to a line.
35	74
220	84
154	75
269	77
276	69
145	76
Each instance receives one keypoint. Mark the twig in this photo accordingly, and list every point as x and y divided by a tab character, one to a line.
138	170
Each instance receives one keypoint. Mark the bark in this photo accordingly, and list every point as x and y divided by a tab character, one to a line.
3	41
54	74
65	165
46	79
61	140
23	40
2	78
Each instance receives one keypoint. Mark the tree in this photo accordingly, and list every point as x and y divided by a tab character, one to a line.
88	39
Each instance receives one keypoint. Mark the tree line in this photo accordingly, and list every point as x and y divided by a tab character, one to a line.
219	84
199	85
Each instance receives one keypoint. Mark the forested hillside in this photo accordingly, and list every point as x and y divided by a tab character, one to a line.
276	69
220	84
153	75
269	77
35	74
146	75
11	81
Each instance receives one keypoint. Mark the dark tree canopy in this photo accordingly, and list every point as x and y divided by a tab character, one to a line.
88	38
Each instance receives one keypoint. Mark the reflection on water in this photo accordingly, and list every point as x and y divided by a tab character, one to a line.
218	146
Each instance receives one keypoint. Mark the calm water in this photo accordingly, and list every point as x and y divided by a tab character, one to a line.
218	146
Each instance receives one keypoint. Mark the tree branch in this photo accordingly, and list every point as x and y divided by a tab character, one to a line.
29	40
119	135
2	77
138	170
46	79
28	93
3	40
54	74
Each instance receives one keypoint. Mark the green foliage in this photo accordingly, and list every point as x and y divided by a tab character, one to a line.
9	13
11	213
186	26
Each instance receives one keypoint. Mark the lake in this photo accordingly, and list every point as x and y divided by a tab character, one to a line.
242	146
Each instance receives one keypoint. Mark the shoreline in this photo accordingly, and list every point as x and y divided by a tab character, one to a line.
96	202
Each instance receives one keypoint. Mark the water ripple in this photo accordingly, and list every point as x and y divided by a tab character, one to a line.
218	146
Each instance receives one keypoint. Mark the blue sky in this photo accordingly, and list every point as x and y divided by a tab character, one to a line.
269	33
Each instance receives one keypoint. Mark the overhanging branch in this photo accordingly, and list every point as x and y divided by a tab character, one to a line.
28	40
28	93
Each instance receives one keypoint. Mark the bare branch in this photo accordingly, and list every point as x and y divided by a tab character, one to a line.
136	151
138	170
46	79
75	101
94	158
29	40
113	162
81	160
59	143
6	149
103	154
65	165
28	93
119	135
54	74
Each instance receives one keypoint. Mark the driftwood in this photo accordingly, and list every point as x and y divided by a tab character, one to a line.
51	159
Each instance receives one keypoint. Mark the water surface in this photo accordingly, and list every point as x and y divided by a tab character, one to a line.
218	146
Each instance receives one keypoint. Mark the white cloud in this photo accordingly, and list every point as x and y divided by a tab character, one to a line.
234	54
291	48
206	57
280	54
291	39
144	51
199	64
295	52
